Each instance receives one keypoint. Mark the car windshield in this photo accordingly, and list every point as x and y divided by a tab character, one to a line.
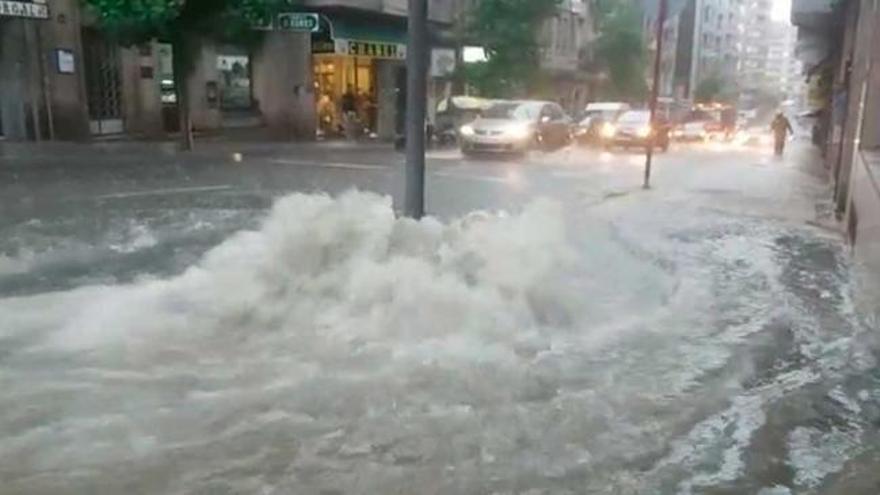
512	111
600	114
276	247
634	118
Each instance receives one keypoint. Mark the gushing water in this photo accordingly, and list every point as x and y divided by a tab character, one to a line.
338	349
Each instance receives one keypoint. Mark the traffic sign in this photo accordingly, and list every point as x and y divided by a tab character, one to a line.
32	9
297	21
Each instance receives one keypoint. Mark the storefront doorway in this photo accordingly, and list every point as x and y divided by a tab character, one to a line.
234	67
103	83
343	81
354	89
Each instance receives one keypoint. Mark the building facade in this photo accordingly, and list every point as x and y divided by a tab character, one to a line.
769	66
837	42
566	39
63	78
702	39
346	79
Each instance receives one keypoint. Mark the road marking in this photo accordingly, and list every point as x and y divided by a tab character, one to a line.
570	174
342	165
160	192
487	178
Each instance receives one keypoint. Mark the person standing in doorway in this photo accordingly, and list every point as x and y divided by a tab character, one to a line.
349	112
781	128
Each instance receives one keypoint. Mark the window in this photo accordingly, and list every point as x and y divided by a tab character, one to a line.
553	111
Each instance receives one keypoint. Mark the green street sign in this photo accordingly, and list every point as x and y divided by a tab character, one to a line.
296	21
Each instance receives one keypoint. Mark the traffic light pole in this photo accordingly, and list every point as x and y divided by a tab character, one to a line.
655	88
416	102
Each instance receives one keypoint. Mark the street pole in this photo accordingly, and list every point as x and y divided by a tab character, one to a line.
655	88
416	101
47	87
32	74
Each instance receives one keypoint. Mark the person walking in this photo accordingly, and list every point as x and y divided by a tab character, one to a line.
781	128
349	113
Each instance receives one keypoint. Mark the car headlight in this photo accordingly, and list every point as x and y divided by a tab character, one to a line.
608	130
467	130
644	131
518	131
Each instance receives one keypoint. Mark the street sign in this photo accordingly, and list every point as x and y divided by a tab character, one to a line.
296	21
31	9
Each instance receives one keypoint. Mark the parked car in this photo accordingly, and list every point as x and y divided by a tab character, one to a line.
634	128
594	117
515	127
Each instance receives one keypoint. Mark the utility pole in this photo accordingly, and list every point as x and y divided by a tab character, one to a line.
47	87
416	101
655	88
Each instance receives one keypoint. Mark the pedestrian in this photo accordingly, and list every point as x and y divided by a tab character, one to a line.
781	127
349	112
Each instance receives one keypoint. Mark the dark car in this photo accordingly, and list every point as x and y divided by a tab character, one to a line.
634	128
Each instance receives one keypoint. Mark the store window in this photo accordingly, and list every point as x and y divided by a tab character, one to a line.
234	67
345	87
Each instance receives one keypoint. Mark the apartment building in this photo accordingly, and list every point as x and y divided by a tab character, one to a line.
768	63
718	31
566	39
702	39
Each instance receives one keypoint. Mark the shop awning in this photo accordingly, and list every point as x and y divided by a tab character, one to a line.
348	28
346	35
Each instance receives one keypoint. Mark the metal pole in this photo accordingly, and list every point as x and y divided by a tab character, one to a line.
32	75
416	101
655	88
47	87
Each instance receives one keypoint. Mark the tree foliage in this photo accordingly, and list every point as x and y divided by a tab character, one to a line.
508	30
620	48
708	89
713	88
133	21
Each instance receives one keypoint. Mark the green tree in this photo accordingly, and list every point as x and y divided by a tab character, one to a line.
708	90
508	31
620	48
183	23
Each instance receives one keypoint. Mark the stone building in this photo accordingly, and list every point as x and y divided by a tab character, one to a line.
63	78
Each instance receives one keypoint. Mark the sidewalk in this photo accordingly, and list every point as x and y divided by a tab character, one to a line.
46	153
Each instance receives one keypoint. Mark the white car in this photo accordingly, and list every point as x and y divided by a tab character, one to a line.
691	131
516	127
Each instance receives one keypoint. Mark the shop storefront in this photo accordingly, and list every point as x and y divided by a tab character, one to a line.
355	65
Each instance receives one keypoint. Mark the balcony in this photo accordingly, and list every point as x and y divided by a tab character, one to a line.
812	14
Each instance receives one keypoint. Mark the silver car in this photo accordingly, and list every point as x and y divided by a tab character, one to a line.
515	127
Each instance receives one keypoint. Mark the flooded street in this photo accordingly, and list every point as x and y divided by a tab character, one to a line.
577	335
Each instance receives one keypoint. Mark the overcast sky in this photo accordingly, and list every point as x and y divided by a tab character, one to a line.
781	10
